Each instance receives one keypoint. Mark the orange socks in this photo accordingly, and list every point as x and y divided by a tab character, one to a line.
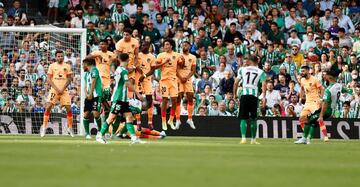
323	128
178	110
46	119
150	115
69	117
190	109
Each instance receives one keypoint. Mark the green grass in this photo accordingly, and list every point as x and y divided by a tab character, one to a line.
176	161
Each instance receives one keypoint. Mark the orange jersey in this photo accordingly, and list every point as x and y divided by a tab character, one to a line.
59	73
129	48
168	70
190	61
312	87
104	65
146	61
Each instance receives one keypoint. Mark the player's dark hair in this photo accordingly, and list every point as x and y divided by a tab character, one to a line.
145	46
89	61
346	103
59	51
305	67
104	41
332	73
171	42
128	30
124	57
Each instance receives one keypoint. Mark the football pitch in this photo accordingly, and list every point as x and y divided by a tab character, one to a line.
28	161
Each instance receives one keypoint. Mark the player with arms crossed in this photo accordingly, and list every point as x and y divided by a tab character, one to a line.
120	104
93	92
312	89
143	82
104	59
168	61
184	74
251	76
130	46
59	77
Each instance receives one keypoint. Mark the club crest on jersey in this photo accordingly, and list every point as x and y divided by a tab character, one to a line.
148	60
173	57
133	45
310	84
65	69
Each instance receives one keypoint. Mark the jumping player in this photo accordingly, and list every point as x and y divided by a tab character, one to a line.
59	77
251	76
93	91
104	59
168	61
130	46
120	104
184	74
312	89
143	81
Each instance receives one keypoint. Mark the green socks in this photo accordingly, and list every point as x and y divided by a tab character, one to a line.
104	128
253	129
311	132
98	123
243	126
86	126
307	128
124	130
130	128
116	125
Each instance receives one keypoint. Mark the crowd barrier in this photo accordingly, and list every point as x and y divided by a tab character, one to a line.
211	126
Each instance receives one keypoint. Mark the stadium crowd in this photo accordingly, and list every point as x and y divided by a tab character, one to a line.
223	33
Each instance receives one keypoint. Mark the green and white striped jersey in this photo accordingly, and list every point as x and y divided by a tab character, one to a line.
250	77
332	94
168	3
242	49
119	17
120	90
94	73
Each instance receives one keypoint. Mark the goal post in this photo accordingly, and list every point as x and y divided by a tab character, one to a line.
34	47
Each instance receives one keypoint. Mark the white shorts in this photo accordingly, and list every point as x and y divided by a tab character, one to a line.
53	3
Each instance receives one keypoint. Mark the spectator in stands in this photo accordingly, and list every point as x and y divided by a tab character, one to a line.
78	21
226	84
213	110
16	10
222	109
53	6
231	33
272	96
38	107
219	74
282	86
28	99
344	21
270	74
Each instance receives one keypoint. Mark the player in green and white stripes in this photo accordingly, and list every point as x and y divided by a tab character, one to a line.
119	16
93	92
165	4
120	105
250	76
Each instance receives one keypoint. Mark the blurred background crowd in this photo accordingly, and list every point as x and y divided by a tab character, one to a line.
283	34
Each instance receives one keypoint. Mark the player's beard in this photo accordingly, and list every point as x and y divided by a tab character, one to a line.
304	75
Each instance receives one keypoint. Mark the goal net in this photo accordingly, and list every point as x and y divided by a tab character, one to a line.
26	53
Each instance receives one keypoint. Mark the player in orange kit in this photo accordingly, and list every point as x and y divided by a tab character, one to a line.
130	46
313	90
143	81
104	59
168	61
59	77
185	73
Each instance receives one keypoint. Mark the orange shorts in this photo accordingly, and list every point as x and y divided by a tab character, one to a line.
169	88
63	98
186	87
309	108
105	81
145	87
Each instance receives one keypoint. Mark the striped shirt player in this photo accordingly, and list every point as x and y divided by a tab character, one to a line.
250	76
117	18
331	97
168	3
94	104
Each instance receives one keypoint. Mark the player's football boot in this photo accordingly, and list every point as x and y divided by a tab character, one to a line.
162	134
70	132
326	139
254	142
191	123
243	141
171	124
101	140
88	137
137	141
42	131
300	141
177	125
